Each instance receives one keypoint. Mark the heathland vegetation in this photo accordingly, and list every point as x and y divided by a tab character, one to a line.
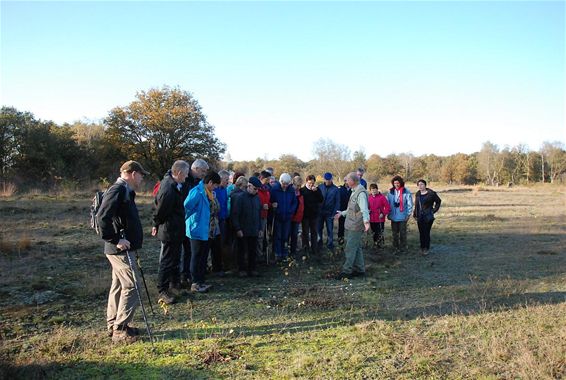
488	302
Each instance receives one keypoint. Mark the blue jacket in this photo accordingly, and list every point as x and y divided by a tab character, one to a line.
197	213
286	201
222	197
396	214
331	202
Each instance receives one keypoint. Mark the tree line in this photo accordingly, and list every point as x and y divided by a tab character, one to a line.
491	165
165	124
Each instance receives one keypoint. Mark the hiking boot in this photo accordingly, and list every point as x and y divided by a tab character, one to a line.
185	284
341	240
166	298
200	288
341	276
358	274
424	252
132	330
123	336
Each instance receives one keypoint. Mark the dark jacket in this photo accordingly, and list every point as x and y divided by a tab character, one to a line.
345	193
312	200
118	211
245	213
331	202
189	183
429	202
169	214
286	201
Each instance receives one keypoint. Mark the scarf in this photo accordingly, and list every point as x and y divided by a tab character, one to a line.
401	208
209	194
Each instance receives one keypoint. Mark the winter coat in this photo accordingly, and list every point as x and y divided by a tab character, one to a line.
169	214
331	202
286	201
312	200
378	205
395	214
245	213
118	211
197	213
430	202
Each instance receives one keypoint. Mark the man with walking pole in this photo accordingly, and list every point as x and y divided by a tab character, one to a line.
121	230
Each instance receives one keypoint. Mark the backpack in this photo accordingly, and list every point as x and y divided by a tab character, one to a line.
95	205
156	188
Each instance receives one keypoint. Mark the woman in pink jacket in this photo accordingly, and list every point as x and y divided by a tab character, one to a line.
378	210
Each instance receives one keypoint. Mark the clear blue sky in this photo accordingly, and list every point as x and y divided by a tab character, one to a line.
273	77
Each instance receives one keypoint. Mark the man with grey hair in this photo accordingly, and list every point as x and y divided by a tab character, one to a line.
356	223
199	168
169	227
284	203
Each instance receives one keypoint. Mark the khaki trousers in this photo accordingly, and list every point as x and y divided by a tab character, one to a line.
122	298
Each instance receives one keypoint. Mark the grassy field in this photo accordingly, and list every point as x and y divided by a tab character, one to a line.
489	302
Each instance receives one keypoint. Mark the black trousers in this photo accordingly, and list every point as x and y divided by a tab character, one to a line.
247	245
424	233
168	272
310	233
185	260
199	256
377	229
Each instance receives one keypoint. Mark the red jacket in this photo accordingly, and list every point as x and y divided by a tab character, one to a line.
263	199
378	204
298	217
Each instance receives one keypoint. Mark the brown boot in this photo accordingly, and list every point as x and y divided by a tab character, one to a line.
123	336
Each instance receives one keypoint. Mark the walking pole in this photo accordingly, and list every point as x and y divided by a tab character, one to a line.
130	261
132	268
144	283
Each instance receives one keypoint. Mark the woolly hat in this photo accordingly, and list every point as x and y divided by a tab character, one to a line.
255	181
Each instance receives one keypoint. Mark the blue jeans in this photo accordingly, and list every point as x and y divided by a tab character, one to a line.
329	220
282	231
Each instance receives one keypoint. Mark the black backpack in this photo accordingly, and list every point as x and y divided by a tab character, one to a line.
94	207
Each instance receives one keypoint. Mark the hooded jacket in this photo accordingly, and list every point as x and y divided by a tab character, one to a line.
197	213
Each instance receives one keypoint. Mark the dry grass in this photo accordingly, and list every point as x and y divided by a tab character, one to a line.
489	302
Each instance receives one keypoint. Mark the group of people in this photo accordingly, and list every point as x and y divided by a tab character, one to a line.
198	213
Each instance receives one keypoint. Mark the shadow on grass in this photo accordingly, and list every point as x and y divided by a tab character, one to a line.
465	307
86	369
